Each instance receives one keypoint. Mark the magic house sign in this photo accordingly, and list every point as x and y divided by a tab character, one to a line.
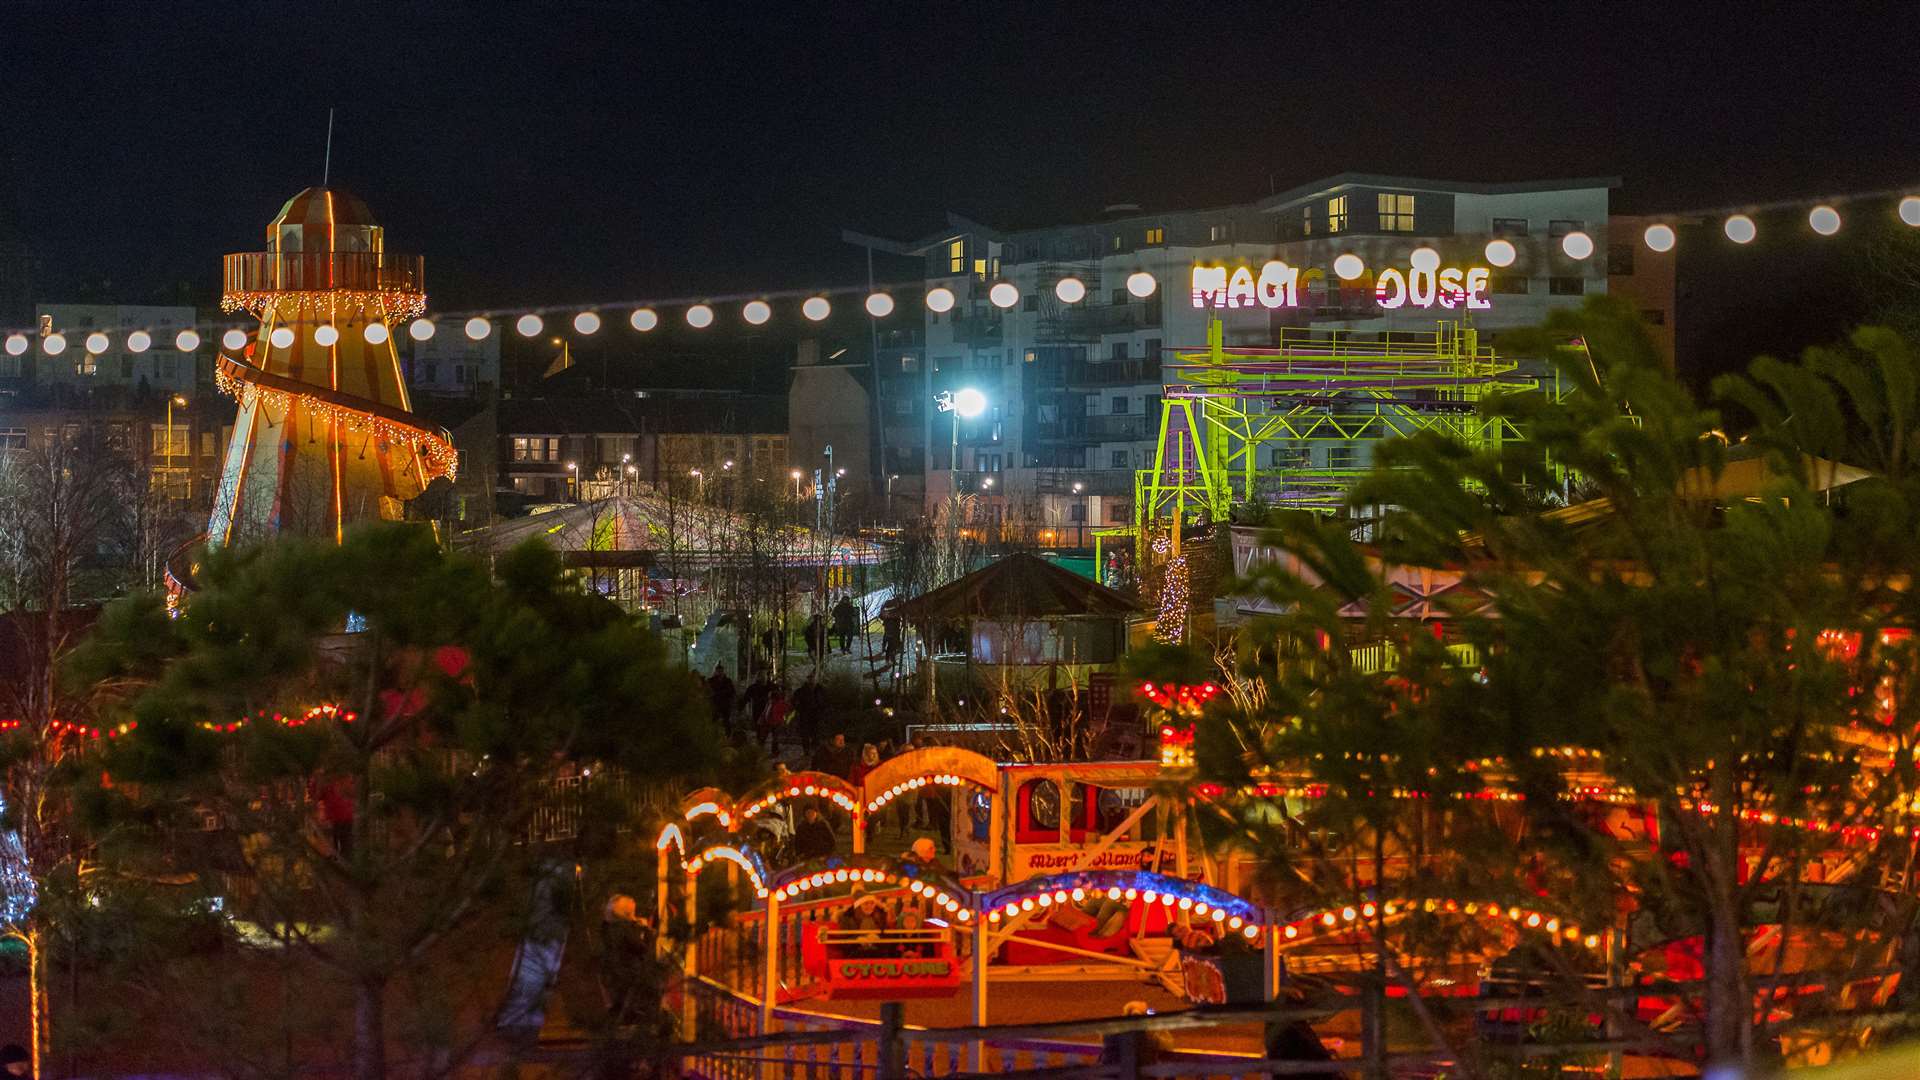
1277	285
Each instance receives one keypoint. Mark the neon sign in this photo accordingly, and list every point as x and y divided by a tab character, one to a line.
1277	285
895	969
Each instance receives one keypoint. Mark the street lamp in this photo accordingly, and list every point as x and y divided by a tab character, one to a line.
796	484
966	403
573	477
181	401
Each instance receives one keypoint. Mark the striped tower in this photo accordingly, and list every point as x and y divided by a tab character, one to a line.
325	434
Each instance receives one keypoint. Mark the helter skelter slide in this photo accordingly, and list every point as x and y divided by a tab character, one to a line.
325	435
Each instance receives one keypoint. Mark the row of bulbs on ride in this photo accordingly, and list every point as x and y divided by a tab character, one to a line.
1500	252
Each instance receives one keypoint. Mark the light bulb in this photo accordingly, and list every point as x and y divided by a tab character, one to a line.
1004	295
325	335
54	344
756	312
529	324
643	319
1141	284
139	341
375	333
816	308
420	329
587	322
879	305
281	337
1825	220
1741	229
1070	290
939	299
478	328
1501	253
699	316
186	341
1348	266
234	340
1660	237
1577	245
1424	258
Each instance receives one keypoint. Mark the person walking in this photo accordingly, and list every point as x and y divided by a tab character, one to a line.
720	691
810	703
774	719
813	838
846	623
869	760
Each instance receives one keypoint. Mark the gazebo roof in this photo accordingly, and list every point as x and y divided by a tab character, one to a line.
1020	585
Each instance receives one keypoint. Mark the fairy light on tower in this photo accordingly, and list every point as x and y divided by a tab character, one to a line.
325	435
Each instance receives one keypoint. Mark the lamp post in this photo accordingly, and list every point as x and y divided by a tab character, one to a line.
172	400
964	403
573	479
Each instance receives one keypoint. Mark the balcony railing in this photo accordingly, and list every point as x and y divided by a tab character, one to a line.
1113	372
1118	427
977	329
1089	481
322	271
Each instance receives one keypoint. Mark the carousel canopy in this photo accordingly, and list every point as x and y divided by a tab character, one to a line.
1019	586
614	530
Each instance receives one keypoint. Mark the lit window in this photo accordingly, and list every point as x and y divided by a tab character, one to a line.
980	268
1306	221
1337	214
1396	213
1156	236
957	257
1116	241
1216	233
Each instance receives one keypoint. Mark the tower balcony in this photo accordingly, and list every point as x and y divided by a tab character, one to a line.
254	279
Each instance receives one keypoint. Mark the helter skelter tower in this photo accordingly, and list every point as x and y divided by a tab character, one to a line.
325	435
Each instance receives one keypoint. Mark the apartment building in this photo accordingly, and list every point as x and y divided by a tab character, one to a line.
1073	377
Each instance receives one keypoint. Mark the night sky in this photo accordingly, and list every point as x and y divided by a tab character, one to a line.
554	153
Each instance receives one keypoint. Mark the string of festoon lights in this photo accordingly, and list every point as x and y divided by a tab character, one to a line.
1823	217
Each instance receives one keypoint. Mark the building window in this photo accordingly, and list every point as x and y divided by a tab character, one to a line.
1116	241
536	449
1156	236
1216	233
1306	221
1118	351
1342	457
431	370
1119	406
1118	512
1337	214
13	438
1509	226
84	363
980	269
176	443
1396	213
1077	512
957	257
1567	286
1558	227
1119	459
1032	356
1620	260
1509	284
